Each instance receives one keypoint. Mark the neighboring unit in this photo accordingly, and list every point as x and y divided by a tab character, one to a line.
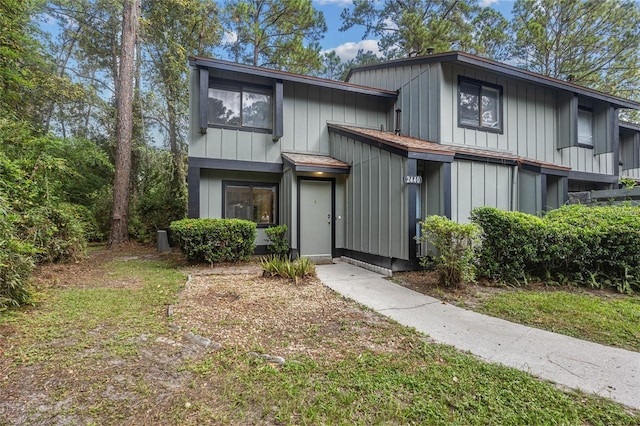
351	168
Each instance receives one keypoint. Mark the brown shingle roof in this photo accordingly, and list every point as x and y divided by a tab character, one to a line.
313	160
411	144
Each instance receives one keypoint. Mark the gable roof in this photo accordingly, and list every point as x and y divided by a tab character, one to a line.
500	68
203	62
314	163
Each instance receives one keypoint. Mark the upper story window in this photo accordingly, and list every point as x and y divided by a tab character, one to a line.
479	105
585	127
240	107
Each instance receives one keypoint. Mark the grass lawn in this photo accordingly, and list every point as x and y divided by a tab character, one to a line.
100	348
610	321
600	316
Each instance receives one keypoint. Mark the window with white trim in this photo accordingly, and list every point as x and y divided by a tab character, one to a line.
479	105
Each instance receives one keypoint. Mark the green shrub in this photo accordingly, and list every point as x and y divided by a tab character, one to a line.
286	268
278	236
54	232
86	219
589	245
510	243
214	240
101	209
454	249
605	244
16	262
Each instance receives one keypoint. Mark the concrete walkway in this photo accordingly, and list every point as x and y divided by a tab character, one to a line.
590	367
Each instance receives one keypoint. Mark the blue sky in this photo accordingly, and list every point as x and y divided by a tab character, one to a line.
347	43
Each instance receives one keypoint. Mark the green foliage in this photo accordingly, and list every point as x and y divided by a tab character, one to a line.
18	54
286	268
628	182
100	209
406	29
214	240
606	56
280	34
279	244
340	70
37	224
603	241
160	200
596	246
454	249
55	232
34	174
90	170
509	246
16	262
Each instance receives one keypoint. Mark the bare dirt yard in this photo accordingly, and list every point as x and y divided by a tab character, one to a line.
140	371
133	337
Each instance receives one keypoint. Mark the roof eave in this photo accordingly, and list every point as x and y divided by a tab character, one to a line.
197	61
504	69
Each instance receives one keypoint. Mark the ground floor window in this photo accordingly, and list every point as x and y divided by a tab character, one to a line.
251	201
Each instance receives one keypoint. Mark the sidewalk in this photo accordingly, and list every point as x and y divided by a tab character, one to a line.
590	367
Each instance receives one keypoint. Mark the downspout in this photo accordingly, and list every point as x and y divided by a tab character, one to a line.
514	187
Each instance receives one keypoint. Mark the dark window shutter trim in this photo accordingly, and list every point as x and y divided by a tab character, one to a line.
204	100
278	119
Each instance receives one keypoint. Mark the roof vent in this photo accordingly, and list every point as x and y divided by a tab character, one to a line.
571	77
430	50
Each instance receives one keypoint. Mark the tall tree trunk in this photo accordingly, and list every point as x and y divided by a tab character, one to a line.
124	98
178	180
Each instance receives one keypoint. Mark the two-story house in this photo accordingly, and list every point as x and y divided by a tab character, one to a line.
351	168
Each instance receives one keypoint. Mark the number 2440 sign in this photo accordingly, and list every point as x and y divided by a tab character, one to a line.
413	179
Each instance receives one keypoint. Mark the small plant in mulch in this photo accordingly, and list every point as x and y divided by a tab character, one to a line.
295	270
278	237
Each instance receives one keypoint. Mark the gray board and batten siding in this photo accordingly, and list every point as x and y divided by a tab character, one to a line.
537	122
306	110
630	150
476	184
376	199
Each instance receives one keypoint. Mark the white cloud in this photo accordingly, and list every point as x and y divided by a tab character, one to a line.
487	3
229	37
390	25
349	50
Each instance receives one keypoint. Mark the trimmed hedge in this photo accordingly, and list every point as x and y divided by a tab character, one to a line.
596	246
214	240
603	243
510	243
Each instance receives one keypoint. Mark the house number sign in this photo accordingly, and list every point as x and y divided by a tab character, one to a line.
413	179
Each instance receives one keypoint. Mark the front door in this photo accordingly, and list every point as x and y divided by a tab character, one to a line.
315	218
